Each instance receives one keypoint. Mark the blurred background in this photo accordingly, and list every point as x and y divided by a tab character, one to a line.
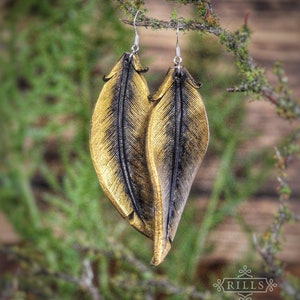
53	215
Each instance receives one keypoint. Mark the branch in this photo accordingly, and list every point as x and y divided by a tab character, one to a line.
164	286
84	282
150	280
271	241
183	25
116	252
146	279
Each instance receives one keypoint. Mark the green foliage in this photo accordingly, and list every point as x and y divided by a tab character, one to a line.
53	56
51	77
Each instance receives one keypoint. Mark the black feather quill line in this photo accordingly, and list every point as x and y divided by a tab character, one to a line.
123	95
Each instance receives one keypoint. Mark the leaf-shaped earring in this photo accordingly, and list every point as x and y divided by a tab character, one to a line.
117	140
177	140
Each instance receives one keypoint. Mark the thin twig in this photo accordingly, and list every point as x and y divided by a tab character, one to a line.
153	281
272	242
85	282
191	25
164	286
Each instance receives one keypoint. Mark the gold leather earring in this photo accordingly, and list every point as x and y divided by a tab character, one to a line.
117	140
177	140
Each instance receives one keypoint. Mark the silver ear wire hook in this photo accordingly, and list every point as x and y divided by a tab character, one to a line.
177	59
135	47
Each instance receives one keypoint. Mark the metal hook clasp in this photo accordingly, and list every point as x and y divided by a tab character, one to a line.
177	59
135	47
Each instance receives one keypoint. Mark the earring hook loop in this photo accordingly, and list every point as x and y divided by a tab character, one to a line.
135	47
177	59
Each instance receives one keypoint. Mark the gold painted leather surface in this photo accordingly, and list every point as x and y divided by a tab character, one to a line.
177	140
117	142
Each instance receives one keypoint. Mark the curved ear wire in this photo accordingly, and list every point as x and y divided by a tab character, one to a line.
177	59
135	47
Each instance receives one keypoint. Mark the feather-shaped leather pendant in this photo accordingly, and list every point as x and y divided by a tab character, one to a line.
177	140
117	142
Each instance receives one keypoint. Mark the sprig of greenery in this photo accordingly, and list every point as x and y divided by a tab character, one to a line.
271	242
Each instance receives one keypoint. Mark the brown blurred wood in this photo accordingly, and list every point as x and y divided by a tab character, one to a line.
231	243
7	234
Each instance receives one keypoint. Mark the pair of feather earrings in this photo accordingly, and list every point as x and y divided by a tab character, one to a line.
146	150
